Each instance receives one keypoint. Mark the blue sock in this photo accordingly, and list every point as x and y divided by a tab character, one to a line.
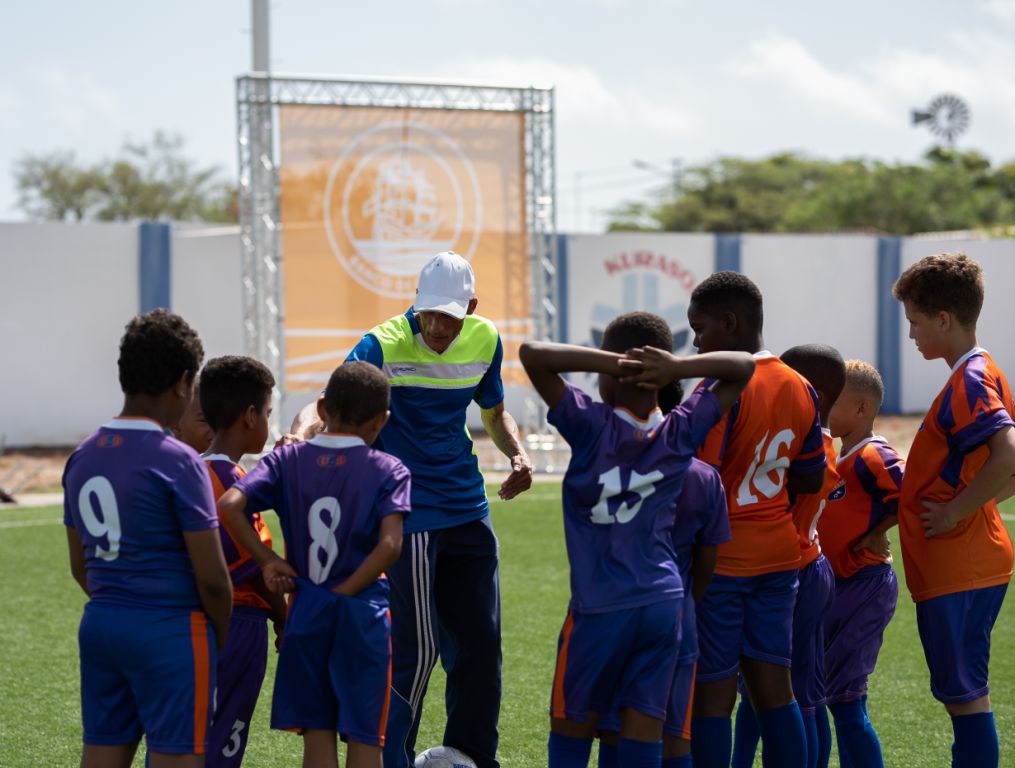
858	741
783	742
975	741
711	741
746	736
608	755
640	754
678	762
811	734
824	738
568	752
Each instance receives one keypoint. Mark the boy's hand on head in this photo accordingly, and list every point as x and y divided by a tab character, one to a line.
938	519
647	367
287	439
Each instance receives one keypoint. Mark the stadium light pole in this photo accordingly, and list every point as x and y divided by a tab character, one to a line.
260	19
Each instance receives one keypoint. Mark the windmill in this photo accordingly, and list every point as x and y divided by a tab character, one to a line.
947	117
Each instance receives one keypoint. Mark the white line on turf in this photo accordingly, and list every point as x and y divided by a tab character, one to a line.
30	523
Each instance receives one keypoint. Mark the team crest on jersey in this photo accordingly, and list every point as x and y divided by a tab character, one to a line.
838	492
399	193
331	460
109	441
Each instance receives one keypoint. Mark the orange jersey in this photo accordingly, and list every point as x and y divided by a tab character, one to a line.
950	448
808	508
242	567
772	428
870	476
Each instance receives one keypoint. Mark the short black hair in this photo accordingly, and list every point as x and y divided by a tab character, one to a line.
156	350
729	291
821	365
637	329
357	392
231	384
945	282
671	396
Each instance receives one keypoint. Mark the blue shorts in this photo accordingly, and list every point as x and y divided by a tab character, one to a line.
817	585
624	658
745	616
334	667
855	625
239	674
146	671
955	632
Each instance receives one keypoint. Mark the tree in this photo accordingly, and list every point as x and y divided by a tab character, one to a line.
792	193
145	181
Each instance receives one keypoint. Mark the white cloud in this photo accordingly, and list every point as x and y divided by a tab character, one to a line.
999	10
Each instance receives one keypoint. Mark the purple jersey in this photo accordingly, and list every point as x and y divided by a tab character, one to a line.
619	497
330	494
131	491
701	514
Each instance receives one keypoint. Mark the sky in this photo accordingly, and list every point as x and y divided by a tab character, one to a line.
650	83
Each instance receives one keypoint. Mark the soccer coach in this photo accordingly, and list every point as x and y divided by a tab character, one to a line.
445	593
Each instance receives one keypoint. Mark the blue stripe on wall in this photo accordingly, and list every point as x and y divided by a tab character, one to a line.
562	243
154	265
727	253
889	320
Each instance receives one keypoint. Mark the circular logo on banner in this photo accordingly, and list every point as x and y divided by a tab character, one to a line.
398	194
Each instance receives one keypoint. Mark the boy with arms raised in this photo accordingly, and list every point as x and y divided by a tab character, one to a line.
141	530
861	509
235	395
768	446
621	638
956	551
701	525
824	369
341	506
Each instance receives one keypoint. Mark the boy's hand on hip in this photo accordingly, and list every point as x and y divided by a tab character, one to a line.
938	519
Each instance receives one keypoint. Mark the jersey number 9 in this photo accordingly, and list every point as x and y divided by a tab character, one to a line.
108	525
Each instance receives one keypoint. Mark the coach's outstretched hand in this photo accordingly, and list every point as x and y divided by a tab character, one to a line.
520	479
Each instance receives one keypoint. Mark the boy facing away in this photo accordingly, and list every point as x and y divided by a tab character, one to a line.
141	531
825	370
768	447
620	640
955	549
341	506
861	509
235	395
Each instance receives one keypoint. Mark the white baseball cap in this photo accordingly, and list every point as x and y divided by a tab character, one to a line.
446	284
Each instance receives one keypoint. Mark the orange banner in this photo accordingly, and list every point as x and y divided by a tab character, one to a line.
368	195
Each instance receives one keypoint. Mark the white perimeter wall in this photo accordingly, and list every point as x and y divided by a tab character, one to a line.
923	379
818	289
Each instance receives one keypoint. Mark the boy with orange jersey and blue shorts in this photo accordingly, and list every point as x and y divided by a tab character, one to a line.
955	549
144	546
825	370
235	395
621	638
860	510
769	446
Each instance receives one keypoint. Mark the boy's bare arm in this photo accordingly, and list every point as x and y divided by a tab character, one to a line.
876	539
544	362
382	557
77	559
992	479
275	571
212	576
703	559
653	368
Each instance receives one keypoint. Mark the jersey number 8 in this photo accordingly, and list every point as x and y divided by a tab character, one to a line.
323	545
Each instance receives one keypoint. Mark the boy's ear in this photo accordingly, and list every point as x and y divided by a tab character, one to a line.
730	322
381	419
250	417
321	413
184	386
473	303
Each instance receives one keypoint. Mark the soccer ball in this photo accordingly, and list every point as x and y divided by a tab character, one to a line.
444	757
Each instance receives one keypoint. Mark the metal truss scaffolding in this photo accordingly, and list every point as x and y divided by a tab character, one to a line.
258	96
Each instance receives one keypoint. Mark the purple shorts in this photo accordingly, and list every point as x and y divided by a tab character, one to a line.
955	631
817	584
334	667
620	658
745	616
855	628
239	673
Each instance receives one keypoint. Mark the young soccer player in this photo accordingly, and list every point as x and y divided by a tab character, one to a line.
235	395
824	369
141	530
769	446
860	510
341	505
956	551
701	525
620	640
193	428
